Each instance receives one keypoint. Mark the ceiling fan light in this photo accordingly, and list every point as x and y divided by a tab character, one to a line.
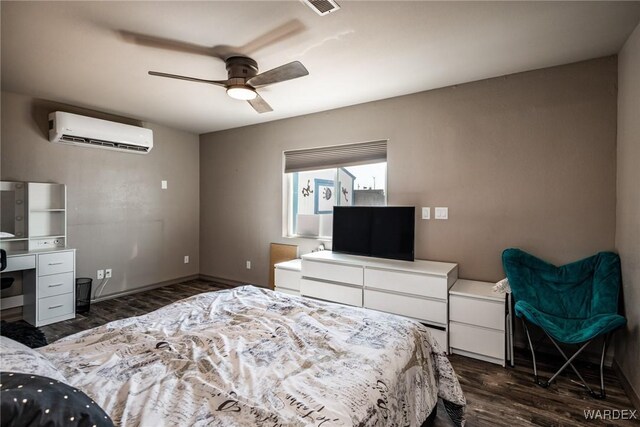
242	93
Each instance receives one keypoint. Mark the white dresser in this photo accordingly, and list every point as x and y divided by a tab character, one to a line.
418	289
287	276
48	284
477	319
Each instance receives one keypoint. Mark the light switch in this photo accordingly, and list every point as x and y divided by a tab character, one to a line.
163	184
442	213
426	213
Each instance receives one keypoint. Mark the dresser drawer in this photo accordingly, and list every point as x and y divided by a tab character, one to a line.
55	262
55	306
490	314
22	262
287	291
486	342
440	337
332	272
409	283
418	308
55	284
331	292
287	279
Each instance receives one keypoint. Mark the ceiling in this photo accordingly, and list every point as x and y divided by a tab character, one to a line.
74	52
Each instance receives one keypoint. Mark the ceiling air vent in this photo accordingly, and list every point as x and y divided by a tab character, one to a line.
322	7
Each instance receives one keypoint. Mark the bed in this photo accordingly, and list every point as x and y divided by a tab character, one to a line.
254	357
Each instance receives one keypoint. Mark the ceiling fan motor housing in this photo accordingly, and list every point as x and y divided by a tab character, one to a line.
241	67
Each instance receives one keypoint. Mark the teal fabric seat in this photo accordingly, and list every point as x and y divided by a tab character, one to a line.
570	331
573	304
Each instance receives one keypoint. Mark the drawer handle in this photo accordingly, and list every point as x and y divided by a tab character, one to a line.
56	285
51	307
55	263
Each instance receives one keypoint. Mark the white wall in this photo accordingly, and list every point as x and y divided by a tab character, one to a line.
526	160
628	206
118	216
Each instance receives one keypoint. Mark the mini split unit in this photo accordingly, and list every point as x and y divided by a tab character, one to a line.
73	129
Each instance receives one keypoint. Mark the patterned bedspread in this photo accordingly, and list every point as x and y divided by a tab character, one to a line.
254	357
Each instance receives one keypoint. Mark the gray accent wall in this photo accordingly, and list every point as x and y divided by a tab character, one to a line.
118	216
628	207
526	160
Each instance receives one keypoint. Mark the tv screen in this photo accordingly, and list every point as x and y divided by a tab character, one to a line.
376	231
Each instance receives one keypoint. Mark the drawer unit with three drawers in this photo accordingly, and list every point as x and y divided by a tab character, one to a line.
49	289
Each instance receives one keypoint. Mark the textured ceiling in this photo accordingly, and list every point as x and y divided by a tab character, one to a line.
74	52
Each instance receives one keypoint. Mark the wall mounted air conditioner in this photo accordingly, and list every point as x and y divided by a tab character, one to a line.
67	128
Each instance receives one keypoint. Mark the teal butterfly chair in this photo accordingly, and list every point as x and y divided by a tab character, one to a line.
572	304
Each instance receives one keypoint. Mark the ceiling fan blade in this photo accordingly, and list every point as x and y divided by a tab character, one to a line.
260	105
289	71
168	44
282	32
222	83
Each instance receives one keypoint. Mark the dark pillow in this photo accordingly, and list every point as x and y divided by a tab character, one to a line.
32	400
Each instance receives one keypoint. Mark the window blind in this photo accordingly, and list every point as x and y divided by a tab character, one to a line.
335	156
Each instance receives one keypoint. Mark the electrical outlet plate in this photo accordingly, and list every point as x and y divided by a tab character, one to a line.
107	273
163	184
442	213
186	259
100	274
248	265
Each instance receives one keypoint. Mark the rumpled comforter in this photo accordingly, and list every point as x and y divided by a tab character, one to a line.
254	357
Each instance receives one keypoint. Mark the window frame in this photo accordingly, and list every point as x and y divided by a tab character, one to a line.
289	196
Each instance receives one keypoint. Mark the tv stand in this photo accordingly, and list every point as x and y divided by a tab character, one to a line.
418	289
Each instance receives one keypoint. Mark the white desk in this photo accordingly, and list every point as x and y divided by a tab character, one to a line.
48	285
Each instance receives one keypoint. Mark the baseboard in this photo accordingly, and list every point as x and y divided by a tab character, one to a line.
229	282
146	288
626	385
218	280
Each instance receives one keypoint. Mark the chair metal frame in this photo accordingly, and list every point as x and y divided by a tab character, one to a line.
568	362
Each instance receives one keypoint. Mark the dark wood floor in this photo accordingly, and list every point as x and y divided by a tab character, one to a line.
496	396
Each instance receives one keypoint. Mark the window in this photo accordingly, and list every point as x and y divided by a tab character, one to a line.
321	178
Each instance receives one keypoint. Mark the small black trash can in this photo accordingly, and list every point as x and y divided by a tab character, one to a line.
83	294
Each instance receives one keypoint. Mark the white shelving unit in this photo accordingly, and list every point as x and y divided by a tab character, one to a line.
47	207
35	213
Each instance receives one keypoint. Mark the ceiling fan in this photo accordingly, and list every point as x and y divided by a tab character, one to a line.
243	79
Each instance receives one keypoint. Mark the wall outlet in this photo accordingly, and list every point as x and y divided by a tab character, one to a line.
107	273
100	274
186	259
442	213
426	213
163	184
248	265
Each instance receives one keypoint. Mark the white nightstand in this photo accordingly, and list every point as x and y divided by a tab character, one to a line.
477	321
287	276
